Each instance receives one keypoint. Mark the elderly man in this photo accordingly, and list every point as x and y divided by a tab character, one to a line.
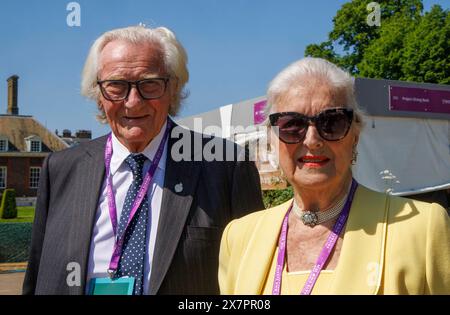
121	214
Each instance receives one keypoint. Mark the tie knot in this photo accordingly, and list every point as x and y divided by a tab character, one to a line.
136	163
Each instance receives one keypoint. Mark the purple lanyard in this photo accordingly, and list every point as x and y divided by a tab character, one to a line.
118	243
324	254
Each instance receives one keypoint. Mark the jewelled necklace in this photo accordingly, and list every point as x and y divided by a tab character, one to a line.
313	218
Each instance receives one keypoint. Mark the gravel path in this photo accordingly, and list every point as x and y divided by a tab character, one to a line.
11	283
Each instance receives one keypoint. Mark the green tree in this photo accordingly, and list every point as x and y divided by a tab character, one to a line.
409	45
426	52
323	50
384	57
352	34
8	208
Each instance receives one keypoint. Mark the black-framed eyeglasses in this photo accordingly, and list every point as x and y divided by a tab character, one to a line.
118	90
332	124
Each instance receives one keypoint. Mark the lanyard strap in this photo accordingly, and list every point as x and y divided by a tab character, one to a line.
119	239
324	254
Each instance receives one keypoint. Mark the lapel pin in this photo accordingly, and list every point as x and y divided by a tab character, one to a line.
179	187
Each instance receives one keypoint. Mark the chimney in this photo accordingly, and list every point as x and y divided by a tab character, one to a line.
13	109
83	134
67	133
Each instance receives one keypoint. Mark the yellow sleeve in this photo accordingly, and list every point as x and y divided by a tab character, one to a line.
225	282
438	251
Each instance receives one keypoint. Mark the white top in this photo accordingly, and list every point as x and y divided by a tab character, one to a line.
102	241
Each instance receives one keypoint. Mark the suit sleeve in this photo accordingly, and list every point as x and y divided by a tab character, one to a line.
438	251
246	191
38	231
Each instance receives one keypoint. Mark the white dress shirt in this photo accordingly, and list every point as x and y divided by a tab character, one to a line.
102	241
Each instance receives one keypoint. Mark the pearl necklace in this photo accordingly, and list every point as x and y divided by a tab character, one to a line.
313	218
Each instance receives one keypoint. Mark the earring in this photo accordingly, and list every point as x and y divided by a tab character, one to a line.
354	155
282	176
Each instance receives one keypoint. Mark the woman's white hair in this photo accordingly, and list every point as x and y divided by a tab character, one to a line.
174	58
304	70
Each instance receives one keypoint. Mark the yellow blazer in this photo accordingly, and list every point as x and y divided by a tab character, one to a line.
391	245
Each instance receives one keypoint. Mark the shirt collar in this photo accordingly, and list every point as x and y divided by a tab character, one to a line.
120	152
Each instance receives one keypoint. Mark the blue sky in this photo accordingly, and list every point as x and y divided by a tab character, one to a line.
235	48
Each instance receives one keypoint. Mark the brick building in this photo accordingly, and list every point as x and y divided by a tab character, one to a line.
24	144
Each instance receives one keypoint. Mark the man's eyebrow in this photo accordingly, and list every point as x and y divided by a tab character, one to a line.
151	76
115	77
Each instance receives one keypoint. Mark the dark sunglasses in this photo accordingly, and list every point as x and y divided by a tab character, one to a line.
332	124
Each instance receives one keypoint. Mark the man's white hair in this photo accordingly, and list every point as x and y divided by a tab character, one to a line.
308	69
174	58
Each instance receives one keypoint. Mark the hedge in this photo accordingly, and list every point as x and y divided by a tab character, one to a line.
8	208
272	198
15	241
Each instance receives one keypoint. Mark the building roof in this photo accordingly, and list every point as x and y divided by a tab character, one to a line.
18	128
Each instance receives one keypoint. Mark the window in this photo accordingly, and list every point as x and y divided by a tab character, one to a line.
3	145
2	176
35	172
35	146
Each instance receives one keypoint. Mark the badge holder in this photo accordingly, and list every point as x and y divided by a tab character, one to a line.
108	286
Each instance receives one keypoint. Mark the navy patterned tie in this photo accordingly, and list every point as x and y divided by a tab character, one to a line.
133	252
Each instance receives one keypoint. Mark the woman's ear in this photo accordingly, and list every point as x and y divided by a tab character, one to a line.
356	141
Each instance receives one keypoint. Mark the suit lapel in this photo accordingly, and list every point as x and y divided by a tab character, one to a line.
360	266
175	206
89	184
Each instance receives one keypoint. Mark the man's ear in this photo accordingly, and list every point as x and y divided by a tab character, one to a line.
99	105
173	88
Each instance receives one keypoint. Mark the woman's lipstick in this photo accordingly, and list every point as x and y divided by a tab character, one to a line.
314	161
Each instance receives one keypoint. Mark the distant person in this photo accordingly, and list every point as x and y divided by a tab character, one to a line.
122	208
335	236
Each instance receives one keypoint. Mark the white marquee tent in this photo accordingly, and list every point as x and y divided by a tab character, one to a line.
405	145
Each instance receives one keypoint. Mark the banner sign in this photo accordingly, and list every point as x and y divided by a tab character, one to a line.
419	100
258	112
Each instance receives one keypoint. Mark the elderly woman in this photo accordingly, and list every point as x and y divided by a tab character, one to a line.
335	236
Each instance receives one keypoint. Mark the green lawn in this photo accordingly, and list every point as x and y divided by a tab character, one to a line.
24	214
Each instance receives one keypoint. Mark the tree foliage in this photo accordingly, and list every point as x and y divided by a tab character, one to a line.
427	49
272	198
408	45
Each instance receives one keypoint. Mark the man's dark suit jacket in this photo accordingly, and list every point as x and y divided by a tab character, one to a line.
189	230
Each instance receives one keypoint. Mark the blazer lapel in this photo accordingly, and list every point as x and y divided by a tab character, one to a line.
264	245
89	185
360	266
175	206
